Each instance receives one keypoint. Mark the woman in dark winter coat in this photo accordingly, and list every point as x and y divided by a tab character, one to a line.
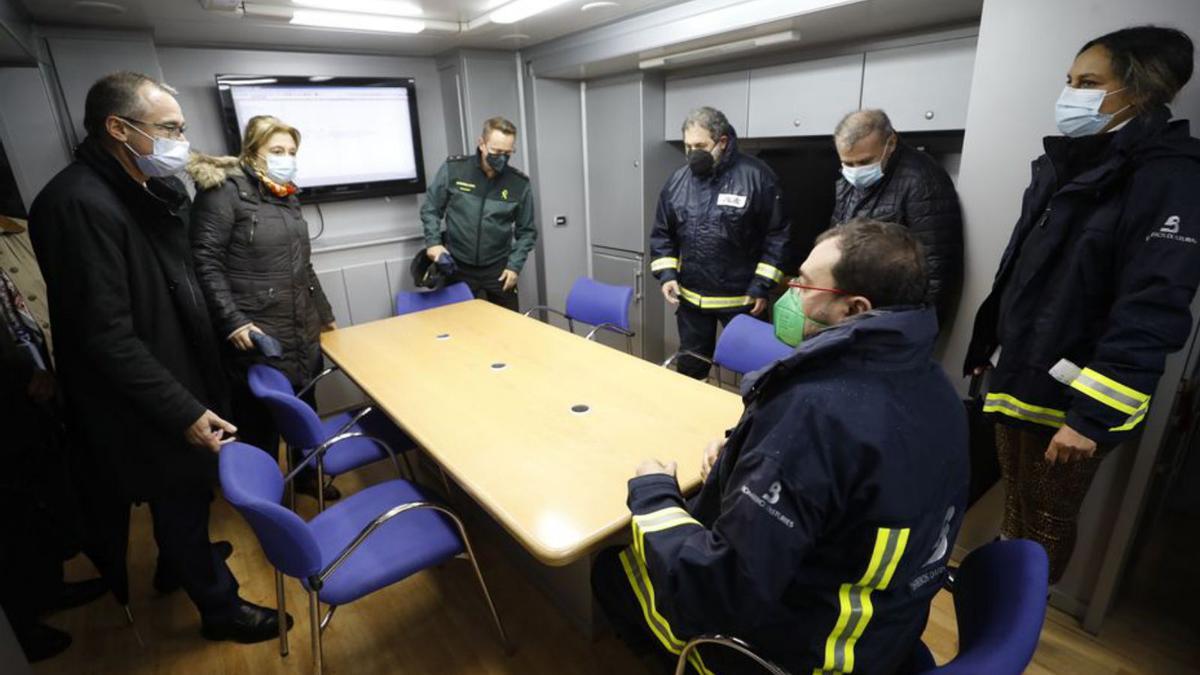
1093	291
251	250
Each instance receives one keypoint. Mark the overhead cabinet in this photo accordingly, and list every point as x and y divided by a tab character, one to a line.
727	92
804	99
923	87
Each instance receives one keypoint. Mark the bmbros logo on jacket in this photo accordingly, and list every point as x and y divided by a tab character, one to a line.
1170	231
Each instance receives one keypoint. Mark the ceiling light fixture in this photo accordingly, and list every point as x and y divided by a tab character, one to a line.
705	53
381	7
363	22
522	9
99	7
604	4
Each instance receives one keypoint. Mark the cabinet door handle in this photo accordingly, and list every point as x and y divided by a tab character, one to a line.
637	286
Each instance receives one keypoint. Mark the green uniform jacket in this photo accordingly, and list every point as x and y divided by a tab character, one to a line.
486	220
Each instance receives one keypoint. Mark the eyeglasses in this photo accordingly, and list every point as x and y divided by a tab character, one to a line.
804	287
173	131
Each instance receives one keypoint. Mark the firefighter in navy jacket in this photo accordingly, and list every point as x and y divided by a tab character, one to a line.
1093	291
719	236
822	531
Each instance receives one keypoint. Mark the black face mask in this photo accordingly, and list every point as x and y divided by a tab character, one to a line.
700	162
497	162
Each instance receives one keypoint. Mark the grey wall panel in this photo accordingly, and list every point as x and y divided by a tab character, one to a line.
489	90
334	285
31	135
923	87
615	199
559	185
452	109
80	61
368	291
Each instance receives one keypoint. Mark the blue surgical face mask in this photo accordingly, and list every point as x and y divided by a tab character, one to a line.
168	157
1078	111
863	177
281	168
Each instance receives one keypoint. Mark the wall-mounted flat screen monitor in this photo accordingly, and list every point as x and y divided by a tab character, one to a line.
360	136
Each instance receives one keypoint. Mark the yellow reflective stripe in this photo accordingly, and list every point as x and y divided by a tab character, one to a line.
1108	391
715	301
1011	406
639	579
1134	419
660	264
769	271
1113	384
855	608
663	519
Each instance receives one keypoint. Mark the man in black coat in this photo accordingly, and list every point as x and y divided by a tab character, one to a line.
885	179
135	351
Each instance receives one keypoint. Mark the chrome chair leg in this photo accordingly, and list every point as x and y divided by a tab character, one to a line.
328	617
281	602
487	596
320	485
314	618
629	344
290	485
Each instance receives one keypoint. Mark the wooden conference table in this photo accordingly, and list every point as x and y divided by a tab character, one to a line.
540	427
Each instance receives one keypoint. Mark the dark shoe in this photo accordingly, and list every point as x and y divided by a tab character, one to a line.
306	484
165	580
40	642
247	623
77	594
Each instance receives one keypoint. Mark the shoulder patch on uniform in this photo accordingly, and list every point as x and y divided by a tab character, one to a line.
458	158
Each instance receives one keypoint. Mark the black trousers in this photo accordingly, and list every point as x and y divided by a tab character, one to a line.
181	532
484	282
698	334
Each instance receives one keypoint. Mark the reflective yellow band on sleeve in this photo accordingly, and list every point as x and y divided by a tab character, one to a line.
715	301
1100	387
854	601
660	264
1005	404
769	272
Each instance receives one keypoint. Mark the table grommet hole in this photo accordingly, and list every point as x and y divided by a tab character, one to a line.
499	366
442	336
581	409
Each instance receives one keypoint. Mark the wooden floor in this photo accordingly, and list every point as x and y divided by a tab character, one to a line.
436	622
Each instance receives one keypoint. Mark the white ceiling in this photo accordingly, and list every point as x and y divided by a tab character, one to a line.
185	22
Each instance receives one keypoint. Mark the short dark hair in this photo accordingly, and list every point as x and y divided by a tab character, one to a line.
1154	62
116	94
881	261
710	119
498	124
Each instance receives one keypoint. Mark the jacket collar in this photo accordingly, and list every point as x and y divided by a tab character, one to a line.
159	194
893	338
1114	150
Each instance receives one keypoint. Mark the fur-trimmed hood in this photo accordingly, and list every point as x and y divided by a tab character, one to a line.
210	172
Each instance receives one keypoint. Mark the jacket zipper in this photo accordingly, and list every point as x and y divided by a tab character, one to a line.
1045	216
253	224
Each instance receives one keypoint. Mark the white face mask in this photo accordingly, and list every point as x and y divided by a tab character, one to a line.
281	168
863	177
1077	111
168	157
